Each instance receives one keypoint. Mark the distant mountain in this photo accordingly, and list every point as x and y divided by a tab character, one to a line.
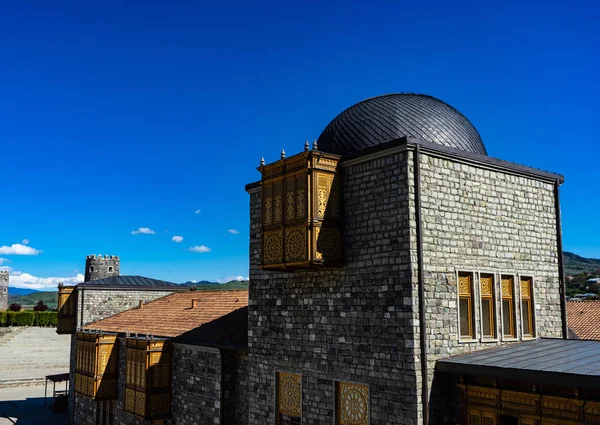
21	291
206	282
49	298
575	264
211	286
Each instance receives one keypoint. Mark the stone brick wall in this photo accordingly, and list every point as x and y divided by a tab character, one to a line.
196	395
102	303
196	385
353	324
3	290
480	220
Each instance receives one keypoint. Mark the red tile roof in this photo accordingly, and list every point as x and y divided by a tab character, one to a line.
219	317
583	318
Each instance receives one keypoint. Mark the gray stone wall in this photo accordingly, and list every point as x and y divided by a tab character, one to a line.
3	290
196	395
102	303
480	220
99	267
352	324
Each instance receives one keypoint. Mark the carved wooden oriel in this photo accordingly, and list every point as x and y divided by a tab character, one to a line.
96	365
148	378
530	408
67	310
302	212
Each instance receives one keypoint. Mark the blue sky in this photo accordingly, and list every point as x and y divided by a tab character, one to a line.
116	117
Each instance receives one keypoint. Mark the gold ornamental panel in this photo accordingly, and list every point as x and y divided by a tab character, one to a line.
140	403
322	194
129	400
328	243
592	412
160	405
563	408
507	286
352	404
296	248
273	247
487	284
290	202
289	393
526	287
464	283
268	205
517	401
483	396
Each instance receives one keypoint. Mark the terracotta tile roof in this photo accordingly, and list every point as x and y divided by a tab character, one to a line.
583	318
220	317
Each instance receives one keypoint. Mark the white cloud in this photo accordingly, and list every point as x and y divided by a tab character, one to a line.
18	249
177	239
230	278
234	232
25	241
143	231
200	248
26	280
197	211
5	268
4	260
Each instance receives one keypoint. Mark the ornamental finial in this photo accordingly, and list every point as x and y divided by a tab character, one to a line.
306	145
282	154
262	160
315	146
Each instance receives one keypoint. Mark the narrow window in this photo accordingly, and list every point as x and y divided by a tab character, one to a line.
527	306
352	404
289	399
488	311
508	307
92	268
465	305
110	269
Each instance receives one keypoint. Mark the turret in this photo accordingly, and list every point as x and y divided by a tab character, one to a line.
3	290
99	266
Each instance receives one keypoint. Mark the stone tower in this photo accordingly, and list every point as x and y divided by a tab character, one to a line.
3	290
99	267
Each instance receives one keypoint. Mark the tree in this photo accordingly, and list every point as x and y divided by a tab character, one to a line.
40	306
14	307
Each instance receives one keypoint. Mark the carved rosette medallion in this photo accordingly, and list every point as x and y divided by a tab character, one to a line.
295	244
272	248
353	404
487	283
464	284
289	393
328	243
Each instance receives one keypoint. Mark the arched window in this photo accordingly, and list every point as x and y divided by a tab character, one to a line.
110	269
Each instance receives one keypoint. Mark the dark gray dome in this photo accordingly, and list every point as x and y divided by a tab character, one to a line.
384	118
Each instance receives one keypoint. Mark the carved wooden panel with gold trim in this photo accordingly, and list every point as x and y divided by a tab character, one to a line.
301	197
507	286
148	378
352	404
289	394
95	365
67	310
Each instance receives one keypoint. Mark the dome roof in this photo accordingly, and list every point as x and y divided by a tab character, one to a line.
384	118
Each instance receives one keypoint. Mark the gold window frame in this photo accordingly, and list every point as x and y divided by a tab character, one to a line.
67	309
488	295
510	297
285	403
466	292
526	292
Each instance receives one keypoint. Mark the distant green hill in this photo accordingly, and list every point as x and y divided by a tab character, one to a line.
234	284
29	300
575	264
